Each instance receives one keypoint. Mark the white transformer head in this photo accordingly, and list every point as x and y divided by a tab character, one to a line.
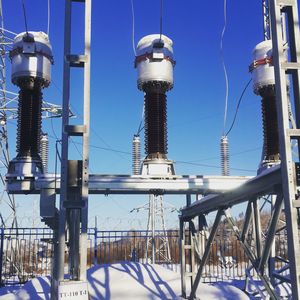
262	67
154	60
31	58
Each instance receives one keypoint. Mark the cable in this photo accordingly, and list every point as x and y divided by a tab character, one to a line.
133	27
161	20
238	106
213	166
141	123
223	64
48	24
25	18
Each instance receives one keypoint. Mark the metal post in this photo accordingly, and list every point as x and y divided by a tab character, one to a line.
182	258
95	243
206	253
1	253
291	205
153	210
74	197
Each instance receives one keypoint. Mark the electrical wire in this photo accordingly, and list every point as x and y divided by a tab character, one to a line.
141	123
133	28
224	66
25	18
212	166
49	15
161	20
238	106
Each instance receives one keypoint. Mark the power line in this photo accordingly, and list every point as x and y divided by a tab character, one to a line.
212	166
238	106
223	64
161	20
49	15
25	18
133	27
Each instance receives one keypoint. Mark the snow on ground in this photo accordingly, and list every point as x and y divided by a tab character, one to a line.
129	280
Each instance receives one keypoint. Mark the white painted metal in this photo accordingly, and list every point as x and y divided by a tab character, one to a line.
31	57
126	184
158	66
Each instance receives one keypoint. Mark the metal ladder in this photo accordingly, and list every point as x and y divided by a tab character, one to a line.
288	9
73	211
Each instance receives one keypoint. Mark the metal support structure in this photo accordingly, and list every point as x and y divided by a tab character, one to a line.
292	67
74	174
277	180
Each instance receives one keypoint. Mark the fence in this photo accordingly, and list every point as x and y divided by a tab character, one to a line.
27	252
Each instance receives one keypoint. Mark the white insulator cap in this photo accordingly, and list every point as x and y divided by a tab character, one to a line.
262	67
31	56
154	60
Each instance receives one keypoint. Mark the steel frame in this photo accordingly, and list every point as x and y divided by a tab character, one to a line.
280	181
126	184
73	211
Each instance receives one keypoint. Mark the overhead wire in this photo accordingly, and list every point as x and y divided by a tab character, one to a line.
133	28
49	15
224	66
213	166
161	20
238	106
25	17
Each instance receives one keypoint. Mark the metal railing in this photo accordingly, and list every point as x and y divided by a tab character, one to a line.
27	252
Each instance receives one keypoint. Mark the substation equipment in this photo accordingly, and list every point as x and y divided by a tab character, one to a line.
69	220
276	78
31	58
154	63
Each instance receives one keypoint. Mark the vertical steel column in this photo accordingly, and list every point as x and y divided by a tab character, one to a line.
182	258
1	253
74	202
86	137
60	259
289	186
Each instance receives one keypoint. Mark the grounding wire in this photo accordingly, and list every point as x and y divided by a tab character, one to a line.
224	66
133	28
238	106
25	18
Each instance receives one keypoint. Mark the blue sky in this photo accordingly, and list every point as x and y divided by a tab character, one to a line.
195	105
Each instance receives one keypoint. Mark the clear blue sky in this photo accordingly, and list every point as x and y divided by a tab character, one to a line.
195	105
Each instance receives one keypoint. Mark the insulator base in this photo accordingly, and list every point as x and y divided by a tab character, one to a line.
159	168
24	168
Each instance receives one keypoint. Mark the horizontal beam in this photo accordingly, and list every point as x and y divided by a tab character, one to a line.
126	184
263	184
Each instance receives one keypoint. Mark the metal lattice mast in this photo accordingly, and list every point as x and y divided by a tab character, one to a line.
4	153
157	243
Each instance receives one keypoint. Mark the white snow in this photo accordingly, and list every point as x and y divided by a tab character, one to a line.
129	280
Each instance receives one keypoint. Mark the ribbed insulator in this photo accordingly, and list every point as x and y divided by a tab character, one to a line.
224	156
270	125
45	151
136	154
156	144
29	122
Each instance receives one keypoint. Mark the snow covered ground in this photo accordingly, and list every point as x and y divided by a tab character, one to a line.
128	280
